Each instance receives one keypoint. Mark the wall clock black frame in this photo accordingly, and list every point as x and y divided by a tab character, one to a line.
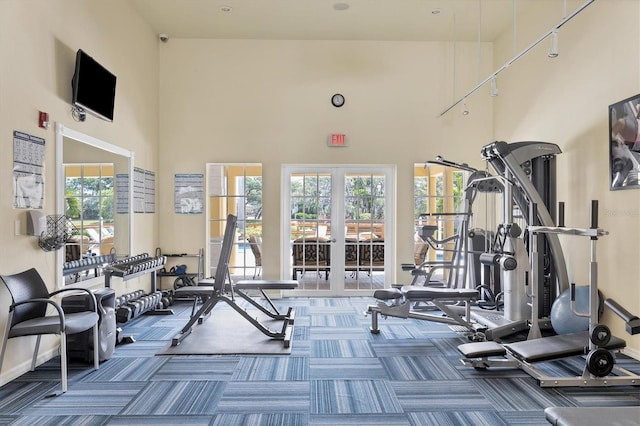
337	100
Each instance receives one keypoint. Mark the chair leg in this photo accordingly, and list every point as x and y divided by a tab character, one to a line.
35	353
63	361
6	339
96	357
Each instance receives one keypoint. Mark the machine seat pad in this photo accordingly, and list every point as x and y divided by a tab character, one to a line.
416	293
266	285
481	349
556	347
388	294
194	291
586	416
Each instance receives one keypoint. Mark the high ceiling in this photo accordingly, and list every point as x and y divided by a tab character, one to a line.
401	20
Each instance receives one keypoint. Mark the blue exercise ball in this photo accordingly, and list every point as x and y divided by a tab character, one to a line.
563	320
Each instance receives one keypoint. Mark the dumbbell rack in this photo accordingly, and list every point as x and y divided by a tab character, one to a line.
133	267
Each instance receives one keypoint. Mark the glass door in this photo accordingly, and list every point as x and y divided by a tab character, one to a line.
337	229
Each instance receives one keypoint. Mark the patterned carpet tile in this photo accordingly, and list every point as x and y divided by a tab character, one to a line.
141	348
288	419
456	418
17	396
276	368
353	397
440	395
332	320
176	398
59	421
408	347
519	394
265	398
89	399
420	368
338	332
197	367
126	370
341	349
346	368
359	420
181	420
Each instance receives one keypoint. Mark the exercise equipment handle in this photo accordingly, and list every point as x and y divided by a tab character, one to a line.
561	214
632	325
594	214
619	310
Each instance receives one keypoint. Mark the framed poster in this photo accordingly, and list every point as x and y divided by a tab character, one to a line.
624	144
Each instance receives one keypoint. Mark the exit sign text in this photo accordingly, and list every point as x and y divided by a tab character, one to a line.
337	139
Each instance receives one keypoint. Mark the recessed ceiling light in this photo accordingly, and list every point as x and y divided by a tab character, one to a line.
341	6
436	11
226	8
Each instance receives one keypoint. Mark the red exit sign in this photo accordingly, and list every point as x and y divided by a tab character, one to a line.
337	139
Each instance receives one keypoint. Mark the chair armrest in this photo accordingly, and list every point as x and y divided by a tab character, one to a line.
79	289
41	300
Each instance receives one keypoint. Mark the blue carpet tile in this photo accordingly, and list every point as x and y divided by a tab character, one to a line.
338	373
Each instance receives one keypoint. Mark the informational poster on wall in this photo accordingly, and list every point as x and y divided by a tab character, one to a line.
28	168
122	193
138	190
149	192
189	192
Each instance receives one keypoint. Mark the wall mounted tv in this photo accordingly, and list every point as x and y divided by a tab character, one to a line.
94	87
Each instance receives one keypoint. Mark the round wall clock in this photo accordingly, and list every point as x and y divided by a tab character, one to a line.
337	100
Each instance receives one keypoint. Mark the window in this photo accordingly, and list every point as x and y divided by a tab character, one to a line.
236	189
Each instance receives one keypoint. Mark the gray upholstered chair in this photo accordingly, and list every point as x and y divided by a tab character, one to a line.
28	316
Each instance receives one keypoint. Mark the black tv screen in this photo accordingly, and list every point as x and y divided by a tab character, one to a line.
94	87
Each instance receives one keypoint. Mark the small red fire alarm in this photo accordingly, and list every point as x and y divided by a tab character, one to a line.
43	120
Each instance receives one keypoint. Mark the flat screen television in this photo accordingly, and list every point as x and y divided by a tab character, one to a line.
624	143
94	87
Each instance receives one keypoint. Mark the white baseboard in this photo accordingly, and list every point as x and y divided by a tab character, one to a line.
25	366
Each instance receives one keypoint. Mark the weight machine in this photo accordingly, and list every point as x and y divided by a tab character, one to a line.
597	344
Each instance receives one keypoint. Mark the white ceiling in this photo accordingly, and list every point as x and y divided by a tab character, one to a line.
401	20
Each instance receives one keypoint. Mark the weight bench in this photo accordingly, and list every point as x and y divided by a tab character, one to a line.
210	294
593	416
524	354
212	291
397	302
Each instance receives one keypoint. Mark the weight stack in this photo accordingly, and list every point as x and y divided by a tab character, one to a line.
80	345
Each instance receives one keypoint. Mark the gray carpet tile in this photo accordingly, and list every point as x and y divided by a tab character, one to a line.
420	368
440	395
353	397
276	368
176	398
338	372
60	421
197	367
341	349
265	397
347	368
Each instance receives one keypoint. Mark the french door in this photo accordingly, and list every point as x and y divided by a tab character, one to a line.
338	228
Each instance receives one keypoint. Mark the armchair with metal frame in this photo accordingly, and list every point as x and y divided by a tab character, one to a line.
30	299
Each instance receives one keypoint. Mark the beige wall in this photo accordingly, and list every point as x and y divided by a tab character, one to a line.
38	42
565	101
268	102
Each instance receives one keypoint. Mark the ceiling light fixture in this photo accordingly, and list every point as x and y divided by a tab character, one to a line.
465	109
553	49
226	9
518	56
436	11
341	6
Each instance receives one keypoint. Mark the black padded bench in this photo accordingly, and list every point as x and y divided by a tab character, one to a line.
397	302
593	416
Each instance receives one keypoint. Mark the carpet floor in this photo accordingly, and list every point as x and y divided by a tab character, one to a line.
337	373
